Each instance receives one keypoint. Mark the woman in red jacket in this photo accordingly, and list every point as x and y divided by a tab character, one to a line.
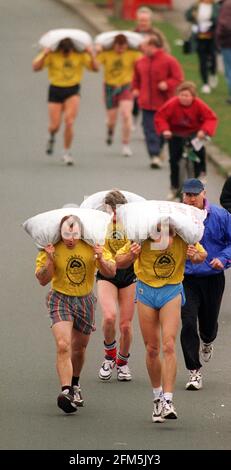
184	115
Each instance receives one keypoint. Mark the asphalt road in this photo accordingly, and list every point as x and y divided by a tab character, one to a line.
116	415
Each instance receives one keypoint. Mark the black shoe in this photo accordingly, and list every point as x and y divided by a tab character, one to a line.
228	101
50	145
66	402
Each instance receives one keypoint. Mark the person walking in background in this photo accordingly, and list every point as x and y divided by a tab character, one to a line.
204	284
203	16
159	297
116	297
225	197
185	115
157	75
65	70
223	38
144	26
118	63
70	266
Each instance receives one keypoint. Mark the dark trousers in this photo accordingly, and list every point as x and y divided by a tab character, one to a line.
206	50
136	109
154	142
203	301
175	154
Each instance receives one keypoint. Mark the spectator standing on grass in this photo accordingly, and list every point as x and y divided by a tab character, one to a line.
223	37
203	16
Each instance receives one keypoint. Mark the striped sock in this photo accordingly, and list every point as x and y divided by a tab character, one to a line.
122	360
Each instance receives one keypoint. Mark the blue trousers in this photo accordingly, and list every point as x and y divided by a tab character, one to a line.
154	142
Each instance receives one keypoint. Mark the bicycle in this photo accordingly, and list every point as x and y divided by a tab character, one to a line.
188	162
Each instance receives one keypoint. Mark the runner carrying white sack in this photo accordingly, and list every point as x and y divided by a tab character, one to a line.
44	228
105	40
149	218
96	200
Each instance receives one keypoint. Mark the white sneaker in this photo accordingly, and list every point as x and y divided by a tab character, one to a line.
156	162
195	380
213	81
206	351
169	411
68	160
124	373
206	89
78	398
157	411
107	367
126	151
171	196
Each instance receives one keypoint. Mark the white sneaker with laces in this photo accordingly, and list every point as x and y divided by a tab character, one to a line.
124	373
68	160
78	398
206	89
169	411
126	151
107	367
156	162
157	411
206	351
195	380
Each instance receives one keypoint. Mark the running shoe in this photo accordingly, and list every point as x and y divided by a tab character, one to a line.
195	380
107	367
124	373
66	402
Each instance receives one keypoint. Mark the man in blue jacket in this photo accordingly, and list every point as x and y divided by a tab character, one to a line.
204	283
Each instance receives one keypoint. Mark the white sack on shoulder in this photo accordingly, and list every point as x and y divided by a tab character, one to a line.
140	219
51	39
96	200
44	228
105	40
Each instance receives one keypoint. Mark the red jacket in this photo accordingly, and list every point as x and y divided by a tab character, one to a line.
185	120
149	71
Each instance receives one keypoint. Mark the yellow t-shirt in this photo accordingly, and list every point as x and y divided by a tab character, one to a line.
115	239
66	71
118	68
74	268
158	268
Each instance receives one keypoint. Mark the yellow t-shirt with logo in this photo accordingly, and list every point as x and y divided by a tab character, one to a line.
115	239
158	268
118	68
66	71
74	268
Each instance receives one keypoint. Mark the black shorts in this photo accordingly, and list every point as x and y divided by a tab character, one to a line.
123	277
59	94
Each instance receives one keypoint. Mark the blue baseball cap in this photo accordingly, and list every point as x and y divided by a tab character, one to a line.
193	186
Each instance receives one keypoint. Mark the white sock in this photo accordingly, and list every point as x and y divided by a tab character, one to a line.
157	393
168	396
66	151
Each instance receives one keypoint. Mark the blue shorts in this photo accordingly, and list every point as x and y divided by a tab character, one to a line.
157	297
